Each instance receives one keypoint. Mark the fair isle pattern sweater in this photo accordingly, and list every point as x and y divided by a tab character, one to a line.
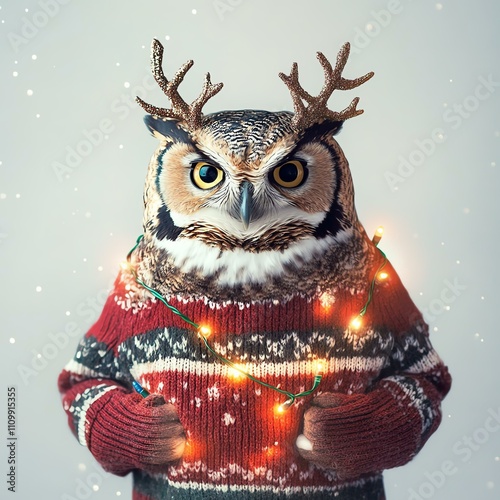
236	444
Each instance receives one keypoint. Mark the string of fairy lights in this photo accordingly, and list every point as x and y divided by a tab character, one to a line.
203	331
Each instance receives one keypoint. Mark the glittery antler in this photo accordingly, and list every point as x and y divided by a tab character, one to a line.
317	110
191	114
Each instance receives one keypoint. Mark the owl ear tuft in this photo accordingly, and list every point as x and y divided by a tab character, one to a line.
326	127
333	127
162	128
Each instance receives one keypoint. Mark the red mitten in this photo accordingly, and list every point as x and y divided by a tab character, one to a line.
359	433
129	432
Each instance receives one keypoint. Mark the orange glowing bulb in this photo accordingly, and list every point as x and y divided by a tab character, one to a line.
378	235
356	323
382	276
279	410
282	408
236	371
320	367
204	331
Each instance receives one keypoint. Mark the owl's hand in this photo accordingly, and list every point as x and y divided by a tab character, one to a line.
165	439
337	434
138	433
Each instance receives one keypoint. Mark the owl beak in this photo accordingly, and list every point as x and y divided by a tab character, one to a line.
246	193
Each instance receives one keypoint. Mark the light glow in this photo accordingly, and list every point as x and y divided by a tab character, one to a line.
282	408
237	371
272	450
320	367
378	235
279	409
356	323
204	331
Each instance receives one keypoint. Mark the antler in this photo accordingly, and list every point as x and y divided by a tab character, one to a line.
180	110
317	110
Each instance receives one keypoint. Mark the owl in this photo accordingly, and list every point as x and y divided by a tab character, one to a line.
273	349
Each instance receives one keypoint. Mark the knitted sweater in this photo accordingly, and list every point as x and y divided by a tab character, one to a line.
377	404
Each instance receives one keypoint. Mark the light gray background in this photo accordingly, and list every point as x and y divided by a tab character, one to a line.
67	234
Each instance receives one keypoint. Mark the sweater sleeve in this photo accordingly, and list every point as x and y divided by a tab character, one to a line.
386	426
121	429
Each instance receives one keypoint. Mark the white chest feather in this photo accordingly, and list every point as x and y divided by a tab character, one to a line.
238	266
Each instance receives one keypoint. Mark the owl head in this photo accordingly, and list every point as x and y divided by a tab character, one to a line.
249	180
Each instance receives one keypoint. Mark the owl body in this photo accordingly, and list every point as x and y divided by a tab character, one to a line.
255	314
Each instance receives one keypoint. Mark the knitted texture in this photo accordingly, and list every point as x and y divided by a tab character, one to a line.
359	433
204	431
131	432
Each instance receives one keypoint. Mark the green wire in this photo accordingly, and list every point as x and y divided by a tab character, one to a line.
171	307
291	397
372	284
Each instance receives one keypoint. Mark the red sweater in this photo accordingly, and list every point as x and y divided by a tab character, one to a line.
378	402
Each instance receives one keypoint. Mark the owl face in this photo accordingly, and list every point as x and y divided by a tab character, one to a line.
247	180
239	196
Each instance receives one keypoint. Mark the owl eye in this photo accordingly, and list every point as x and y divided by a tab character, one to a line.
206	176
290	174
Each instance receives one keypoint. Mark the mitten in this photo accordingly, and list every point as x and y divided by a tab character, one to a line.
129	432
359	433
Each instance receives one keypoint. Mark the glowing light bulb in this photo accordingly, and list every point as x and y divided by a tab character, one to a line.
204	331
356	323
282	408
236	370
279	410
382	276
378	235
320	367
